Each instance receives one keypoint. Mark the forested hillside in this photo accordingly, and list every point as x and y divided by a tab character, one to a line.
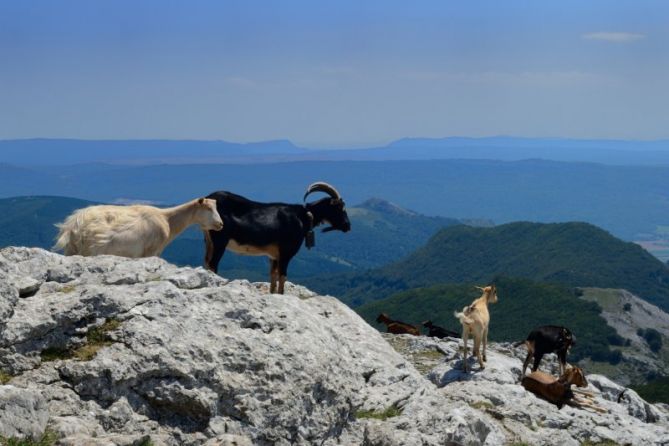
522	305
30	221
572	254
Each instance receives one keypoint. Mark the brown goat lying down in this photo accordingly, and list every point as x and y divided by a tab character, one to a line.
558	390
397	327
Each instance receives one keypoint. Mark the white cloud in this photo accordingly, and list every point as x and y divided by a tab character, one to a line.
616	37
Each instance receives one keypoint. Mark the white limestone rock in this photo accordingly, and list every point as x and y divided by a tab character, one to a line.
196	359
23	413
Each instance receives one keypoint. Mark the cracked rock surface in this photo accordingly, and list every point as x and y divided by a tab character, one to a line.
193	358
496	395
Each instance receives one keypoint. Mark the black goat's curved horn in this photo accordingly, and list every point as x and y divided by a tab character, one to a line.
320	186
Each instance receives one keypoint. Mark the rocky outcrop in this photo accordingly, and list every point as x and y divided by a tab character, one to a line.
627	313
23	412
498	397
112	351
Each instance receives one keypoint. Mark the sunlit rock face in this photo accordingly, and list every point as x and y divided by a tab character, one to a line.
113	351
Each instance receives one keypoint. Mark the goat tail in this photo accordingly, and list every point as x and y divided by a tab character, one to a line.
69	238
464	320
63	238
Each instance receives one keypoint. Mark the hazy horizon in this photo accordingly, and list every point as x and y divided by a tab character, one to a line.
353	146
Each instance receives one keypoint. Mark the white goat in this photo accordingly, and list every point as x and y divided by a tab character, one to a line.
475	319
132	231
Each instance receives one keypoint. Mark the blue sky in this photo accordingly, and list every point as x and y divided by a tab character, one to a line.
340	73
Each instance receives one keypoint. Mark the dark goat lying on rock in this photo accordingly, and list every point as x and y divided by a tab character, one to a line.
547	339
436	331
397	327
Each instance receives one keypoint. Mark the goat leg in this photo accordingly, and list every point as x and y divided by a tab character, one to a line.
586	405
484	340
465	338
477	351
584	393
587	397
596	408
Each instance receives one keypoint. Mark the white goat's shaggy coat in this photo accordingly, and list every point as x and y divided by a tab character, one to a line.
475	319
132	231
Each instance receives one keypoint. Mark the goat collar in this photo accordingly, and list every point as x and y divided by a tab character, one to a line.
310	237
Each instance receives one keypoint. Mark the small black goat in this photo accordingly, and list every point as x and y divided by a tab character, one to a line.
275	230
547	339
436	331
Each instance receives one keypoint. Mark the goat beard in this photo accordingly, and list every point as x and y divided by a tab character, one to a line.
328	229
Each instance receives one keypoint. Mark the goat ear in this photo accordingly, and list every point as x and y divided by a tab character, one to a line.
479	287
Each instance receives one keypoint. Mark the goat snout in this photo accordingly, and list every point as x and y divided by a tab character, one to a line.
213	226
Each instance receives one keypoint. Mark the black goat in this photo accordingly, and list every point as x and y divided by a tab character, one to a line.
275	230
547	339
436	331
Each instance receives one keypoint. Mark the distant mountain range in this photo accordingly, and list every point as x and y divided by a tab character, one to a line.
513	149
73	151
570	254
44	152
383	232
630	201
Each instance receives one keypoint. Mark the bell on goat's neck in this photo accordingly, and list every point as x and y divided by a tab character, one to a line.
310	239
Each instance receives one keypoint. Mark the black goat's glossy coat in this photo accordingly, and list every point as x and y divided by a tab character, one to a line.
436	331
273	229
548	339
259	224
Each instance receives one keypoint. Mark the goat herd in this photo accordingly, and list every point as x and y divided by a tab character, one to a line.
277	230
475	319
